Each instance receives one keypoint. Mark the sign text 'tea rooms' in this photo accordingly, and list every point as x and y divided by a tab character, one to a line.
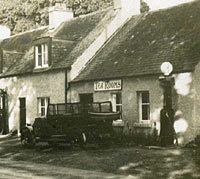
107	85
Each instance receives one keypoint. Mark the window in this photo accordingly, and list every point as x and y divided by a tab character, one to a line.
144	106
117	102
42	106
41	55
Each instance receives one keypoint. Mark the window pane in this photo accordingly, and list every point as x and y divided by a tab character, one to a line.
39	60
118	98
145	112
145	97
41	52
39	49
42	102
45	54
42	111
118	108
42	106
114	102
38	54
117	103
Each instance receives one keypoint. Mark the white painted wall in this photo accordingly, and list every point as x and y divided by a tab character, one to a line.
196	97
184	107
32	86
183	102
59	14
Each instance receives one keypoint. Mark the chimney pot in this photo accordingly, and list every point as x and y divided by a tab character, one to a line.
4	32
129	6
58	14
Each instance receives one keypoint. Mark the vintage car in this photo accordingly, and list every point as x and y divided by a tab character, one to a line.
72	123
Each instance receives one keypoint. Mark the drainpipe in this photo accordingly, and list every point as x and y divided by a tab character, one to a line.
66	85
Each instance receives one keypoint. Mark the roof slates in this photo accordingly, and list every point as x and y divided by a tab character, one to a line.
142	45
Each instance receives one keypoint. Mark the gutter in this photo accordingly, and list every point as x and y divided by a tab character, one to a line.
34	72
130	76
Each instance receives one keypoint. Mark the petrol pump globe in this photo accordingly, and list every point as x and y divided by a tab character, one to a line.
166	68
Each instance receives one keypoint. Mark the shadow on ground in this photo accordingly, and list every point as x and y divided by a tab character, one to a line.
138	162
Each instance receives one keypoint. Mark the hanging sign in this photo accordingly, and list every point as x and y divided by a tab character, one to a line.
107	85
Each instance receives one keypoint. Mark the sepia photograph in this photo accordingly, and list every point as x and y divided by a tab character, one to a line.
99	89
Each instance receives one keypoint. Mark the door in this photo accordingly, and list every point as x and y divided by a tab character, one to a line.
22	107
3	112
86	99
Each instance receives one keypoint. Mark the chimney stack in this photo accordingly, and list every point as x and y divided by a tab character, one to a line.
58	14
128	6
4	32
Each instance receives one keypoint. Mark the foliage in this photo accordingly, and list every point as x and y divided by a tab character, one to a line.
87	6
22	15
144	7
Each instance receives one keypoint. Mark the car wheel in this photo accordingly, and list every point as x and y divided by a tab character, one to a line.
27	138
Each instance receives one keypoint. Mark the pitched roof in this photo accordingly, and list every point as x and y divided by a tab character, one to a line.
22	41
69	41
81	32
15	48
147	40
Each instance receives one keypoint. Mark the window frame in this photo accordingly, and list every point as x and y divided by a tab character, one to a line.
43	55
40	107
115	104
140	106
45	45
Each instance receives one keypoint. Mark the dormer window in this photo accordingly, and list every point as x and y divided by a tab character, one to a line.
41	56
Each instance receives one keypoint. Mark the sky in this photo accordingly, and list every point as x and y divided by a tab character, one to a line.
160	4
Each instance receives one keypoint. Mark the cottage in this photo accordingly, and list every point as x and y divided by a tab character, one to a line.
37	66
114	54
126	71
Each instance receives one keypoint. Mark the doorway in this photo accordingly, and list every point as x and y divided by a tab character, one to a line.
22	106
3	112
85	99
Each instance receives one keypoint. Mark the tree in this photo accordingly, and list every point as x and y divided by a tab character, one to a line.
144	7
23	15
87	6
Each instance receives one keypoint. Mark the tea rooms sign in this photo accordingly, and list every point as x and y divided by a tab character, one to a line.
107	85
